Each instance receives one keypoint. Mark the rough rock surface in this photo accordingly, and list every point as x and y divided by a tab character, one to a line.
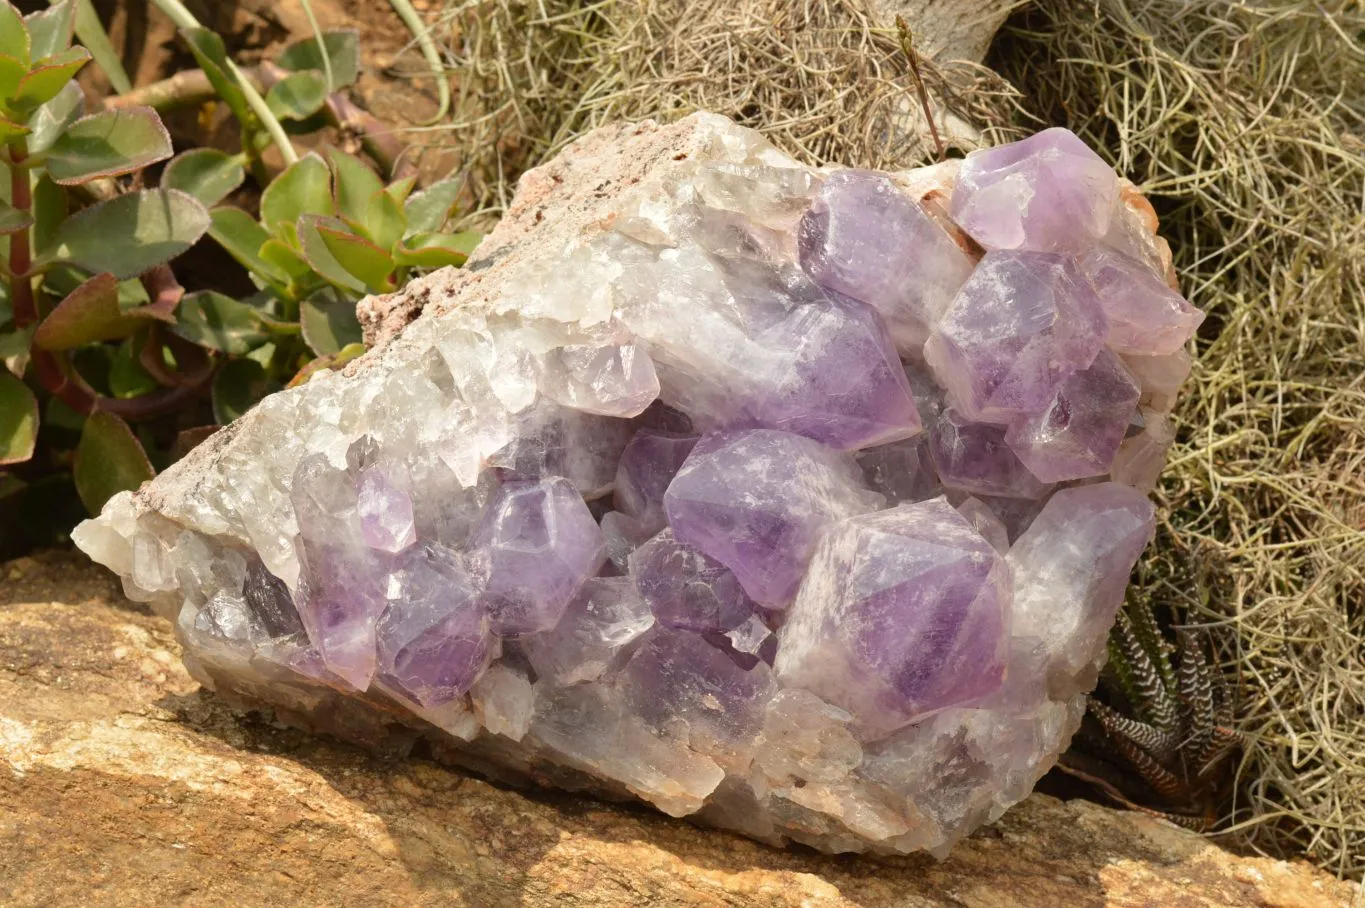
122	782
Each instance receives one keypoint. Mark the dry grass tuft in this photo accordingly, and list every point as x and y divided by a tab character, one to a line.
1244	122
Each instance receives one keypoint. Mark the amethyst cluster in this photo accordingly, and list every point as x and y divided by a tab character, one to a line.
798	502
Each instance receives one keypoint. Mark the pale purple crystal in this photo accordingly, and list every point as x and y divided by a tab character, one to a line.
986	522
1016	330
1160	377
864	238
903	612
1140	458
686	589
648	464
603	620
1146	317
433	639
1078	433
386	521
1048	192
541	543
974	457
758	502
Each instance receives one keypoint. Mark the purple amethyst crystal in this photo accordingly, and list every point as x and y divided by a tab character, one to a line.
1022	324
1049	192
758	502
686	589
863	238
1078	433
737	486
541	543
903	612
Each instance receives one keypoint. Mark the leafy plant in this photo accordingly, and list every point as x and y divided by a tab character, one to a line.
102	346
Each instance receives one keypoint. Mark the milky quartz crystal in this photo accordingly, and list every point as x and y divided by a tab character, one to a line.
798	502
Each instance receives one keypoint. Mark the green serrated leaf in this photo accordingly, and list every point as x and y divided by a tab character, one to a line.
50	120
18	420
320	257
14	39
329	323
354	184
207	174
436	250
109	460
132	233
12	219
429	209
108	144
242	237
87	314
371	265
50	30
298	95
385	220
219	322
211	54
305	187
127	378
343	49
48	77
238	387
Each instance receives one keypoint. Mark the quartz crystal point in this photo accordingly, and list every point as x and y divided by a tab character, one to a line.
713	480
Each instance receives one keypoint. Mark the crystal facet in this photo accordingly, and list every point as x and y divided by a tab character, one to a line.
746	489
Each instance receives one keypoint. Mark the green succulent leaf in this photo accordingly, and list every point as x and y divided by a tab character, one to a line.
211	54
87	314
219	322
429	209
108	144
322	363
305	187
50	120
354	183
50	30
436	250
207	174
371	265
18	420
42	83
14	38
400	189
242	237
238	387
12	220
298	95
132	233
343	49
12	71
49	210
319	255
384	220
127	378
109	460
15	343
286	259
10	130
329	323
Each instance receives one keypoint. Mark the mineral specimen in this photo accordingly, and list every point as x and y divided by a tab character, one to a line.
798	502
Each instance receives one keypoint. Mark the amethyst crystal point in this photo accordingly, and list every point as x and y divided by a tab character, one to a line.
541	543
1048	192
1071	568
974	457
1021	324
903	612
648	465
433	639
1078	433
602	621
803	627
758	502
863	238
686	589
1146	317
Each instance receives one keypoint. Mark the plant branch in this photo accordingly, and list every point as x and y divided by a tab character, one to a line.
183	18
92	34
907	48
432	53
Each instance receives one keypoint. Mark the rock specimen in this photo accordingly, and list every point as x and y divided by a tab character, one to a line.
797	502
